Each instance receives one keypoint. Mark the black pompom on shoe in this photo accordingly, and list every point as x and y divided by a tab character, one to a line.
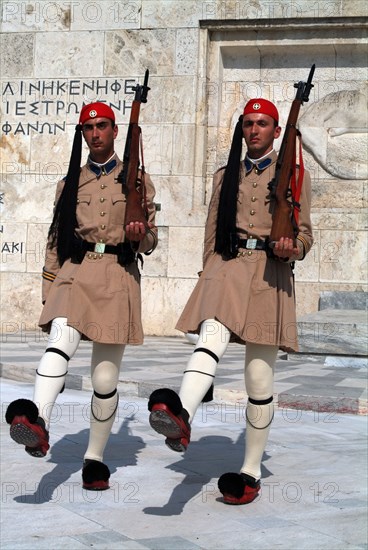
168	397
21	407
238	488
95	475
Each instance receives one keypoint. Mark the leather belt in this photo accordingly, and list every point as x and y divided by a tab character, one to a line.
100	248
252	244
124	253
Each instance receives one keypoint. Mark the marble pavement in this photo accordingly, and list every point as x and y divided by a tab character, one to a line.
313	494
314	468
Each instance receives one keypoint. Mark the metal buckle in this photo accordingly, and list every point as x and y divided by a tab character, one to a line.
99	248
251	244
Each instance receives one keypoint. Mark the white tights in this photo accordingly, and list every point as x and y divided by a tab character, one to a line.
62	344
258	373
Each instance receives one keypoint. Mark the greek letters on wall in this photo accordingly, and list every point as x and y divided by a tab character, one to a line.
37	124
42	106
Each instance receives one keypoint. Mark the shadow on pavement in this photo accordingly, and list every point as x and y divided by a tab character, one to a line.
205	459
68	462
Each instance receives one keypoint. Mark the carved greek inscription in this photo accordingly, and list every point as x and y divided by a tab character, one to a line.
24	103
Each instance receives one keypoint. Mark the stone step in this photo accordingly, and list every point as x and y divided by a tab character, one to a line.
334	332
339	299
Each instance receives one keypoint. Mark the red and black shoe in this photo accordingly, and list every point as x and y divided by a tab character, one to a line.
27	428
238	488
169	418
95	475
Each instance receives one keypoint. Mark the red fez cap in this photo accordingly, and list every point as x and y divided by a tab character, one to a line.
260	105
94	110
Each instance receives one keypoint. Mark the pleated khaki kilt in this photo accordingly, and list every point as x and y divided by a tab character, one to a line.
252	295
99	298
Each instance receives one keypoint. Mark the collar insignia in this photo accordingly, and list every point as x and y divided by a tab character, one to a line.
106	168
260	165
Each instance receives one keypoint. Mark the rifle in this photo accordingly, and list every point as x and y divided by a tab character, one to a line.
128	177
282	186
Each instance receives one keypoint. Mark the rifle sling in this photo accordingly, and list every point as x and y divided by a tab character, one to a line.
296	187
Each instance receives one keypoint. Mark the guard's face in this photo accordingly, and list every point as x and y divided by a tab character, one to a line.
100	134
259	132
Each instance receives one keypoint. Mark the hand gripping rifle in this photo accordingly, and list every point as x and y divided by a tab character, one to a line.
283	187
136	210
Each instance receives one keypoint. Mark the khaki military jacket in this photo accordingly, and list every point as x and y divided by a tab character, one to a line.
100	298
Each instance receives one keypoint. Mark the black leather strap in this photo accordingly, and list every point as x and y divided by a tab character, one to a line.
209	352
59	352
108	248
260	245
124	252
260	401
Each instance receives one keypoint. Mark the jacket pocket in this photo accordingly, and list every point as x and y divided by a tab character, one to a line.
84	210
118	204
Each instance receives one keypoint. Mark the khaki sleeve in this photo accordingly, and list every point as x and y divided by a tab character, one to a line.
305	236
211	223
51	266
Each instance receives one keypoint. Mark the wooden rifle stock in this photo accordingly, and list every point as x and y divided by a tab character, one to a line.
128	177
283	222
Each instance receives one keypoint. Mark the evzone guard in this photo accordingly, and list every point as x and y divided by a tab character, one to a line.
91	286
245	292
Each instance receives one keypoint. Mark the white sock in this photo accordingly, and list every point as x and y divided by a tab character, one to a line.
258	373
103	412
259	418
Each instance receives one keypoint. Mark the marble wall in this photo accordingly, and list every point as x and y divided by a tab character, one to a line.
206	59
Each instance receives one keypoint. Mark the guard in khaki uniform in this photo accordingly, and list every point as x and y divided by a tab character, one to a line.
245	293
91	290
